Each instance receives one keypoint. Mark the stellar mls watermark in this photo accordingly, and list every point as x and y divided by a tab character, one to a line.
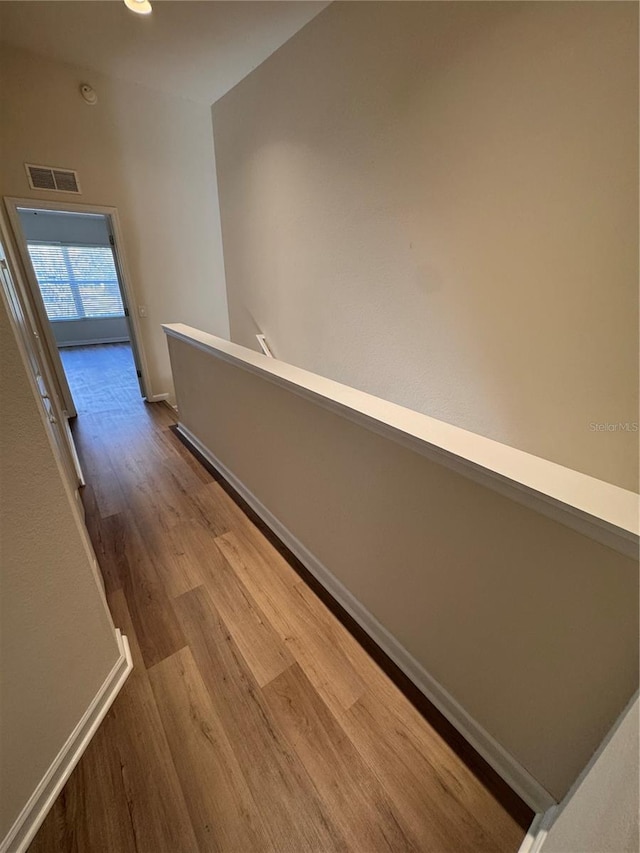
618	426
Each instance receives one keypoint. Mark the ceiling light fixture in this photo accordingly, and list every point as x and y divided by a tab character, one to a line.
142	7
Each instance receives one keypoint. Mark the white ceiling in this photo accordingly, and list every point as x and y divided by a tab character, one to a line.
196	49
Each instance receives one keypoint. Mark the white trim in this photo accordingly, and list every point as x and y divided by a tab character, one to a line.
135	330
602	511
34	812
516	776
76	459
538	831
36	304
79	504
157	398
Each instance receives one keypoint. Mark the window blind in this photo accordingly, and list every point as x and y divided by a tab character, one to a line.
76	282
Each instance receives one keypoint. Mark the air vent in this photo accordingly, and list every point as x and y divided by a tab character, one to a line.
52	179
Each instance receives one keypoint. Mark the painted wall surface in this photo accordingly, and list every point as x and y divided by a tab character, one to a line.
148	155
69	333
57	643
437	203
601	815
531	626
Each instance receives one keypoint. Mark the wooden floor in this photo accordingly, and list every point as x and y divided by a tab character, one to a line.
252	721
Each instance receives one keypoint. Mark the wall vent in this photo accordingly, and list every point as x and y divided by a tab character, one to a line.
52	179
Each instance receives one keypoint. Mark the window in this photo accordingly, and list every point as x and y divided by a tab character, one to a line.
76	282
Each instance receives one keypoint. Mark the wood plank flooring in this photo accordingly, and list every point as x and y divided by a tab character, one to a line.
253	720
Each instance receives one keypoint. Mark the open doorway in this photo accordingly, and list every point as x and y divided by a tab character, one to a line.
81	295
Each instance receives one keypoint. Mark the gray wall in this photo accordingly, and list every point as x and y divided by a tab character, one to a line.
437	203
70	333
57	640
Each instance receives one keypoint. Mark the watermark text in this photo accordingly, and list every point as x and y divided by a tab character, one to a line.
619	426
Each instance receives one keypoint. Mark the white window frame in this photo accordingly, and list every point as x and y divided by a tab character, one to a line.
73	282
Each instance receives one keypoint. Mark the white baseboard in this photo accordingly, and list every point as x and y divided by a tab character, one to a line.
514	774
538	831
156	398
34	812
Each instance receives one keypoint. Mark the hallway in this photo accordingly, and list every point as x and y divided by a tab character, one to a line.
252	721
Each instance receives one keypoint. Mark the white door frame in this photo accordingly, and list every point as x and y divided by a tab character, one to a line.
111	213
14	293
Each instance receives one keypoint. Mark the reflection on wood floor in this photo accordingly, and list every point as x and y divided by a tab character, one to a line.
253	721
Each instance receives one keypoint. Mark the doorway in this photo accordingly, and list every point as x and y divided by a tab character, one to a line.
12	293
75	269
